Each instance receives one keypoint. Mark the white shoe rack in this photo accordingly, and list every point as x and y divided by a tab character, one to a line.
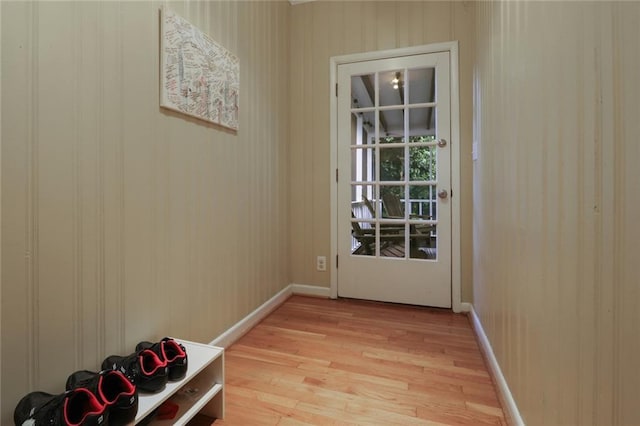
201	390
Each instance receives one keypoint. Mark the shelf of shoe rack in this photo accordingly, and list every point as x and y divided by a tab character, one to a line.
201	390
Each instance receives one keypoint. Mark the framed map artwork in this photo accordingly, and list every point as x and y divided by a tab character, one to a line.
198	77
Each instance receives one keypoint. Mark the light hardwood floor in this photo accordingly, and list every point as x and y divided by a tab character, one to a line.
329	362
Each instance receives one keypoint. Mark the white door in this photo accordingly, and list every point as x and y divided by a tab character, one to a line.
394	210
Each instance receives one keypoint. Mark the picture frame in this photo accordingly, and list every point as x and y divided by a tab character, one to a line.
198	76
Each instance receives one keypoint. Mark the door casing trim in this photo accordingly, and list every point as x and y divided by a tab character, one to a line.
334	62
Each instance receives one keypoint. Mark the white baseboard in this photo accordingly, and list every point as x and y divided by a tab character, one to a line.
512	412
465	307
247	323
310	290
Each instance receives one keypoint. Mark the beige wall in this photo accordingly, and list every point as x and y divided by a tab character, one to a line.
320	30
121	221
556	206
0	212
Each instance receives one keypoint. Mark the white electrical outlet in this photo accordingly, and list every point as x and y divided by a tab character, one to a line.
321	263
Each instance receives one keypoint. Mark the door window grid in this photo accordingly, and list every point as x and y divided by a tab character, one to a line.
374	218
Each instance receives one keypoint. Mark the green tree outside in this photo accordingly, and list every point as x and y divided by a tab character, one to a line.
422	167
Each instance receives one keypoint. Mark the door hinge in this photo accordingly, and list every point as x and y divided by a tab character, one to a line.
336	90
336	175
336	261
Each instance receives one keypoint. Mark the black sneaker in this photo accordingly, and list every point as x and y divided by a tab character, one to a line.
72	408
113	389
143	368
171	351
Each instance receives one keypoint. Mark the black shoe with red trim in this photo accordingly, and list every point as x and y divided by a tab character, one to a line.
143	368
172	352
113	389
72	408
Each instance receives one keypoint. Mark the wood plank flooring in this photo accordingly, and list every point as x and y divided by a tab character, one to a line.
345	362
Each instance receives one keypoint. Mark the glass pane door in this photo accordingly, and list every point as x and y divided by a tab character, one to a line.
393	212
394	163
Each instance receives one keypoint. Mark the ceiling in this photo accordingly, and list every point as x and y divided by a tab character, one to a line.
417	84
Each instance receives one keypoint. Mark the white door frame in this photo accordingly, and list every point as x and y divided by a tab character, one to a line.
452	48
